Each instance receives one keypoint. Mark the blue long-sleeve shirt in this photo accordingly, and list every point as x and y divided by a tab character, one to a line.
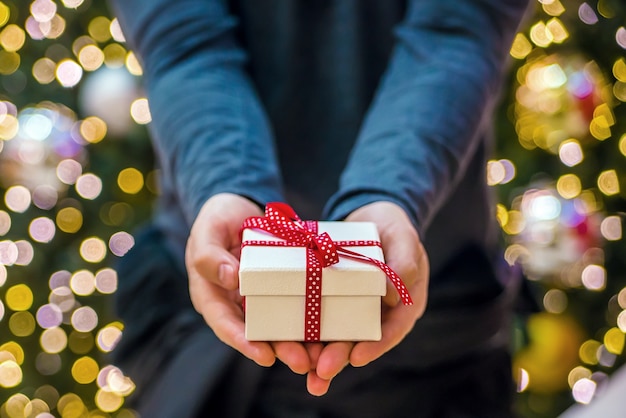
326	102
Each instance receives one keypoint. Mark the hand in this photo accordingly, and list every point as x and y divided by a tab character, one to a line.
212	260
405	254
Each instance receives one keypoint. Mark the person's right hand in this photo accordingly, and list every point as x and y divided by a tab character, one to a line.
212	260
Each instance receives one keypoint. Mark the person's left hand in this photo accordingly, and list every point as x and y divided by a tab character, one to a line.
405	254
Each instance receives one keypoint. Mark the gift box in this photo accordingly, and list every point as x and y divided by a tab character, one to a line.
291	296
299	283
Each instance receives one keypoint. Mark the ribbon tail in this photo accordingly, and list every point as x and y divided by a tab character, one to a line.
392	275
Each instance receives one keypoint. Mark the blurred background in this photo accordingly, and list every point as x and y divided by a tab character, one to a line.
76	177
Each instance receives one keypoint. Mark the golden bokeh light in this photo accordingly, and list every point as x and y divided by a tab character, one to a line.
614	341
608	182
69	220
569	186
553	8
114	55
108	401
130	180
72	4
91	57
71	405
557	30
619	70
600	128
37	408
5	14
12	38
15	350
521	47
44	70
19	297
132	64
85	370
9	125
54	28
622	145
515	223
588	352
540	35
22	324
93	129
9	62
577	373
99	29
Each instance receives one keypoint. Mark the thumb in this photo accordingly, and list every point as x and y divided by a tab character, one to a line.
208	255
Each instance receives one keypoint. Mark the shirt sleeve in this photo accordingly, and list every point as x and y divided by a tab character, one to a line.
210	132
422	127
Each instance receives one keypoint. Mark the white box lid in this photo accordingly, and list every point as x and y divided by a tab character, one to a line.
269	270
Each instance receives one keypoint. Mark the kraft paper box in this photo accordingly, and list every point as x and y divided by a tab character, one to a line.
273	281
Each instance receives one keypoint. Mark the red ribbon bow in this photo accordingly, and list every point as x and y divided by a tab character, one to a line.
282	221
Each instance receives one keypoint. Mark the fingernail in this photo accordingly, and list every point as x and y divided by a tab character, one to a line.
224	274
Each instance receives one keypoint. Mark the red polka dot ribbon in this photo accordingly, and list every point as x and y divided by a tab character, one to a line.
282	221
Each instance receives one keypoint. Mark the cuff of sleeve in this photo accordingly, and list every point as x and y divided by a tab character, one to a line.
258	197
342	205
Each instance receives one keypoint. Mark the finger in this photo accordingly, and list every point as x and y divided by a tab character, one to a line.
396	324
222	312
316	385
294	355
333	358
314	350
214	262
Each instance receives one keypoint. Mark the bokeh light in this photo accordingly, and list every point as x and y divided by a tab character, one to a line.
83	283
84	319
140	111
85	370
106	281
130	180
69	73
89	186
93	250
120	243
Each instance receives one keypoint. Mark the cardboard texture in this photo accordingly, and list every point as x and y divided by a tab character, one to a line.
273	281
